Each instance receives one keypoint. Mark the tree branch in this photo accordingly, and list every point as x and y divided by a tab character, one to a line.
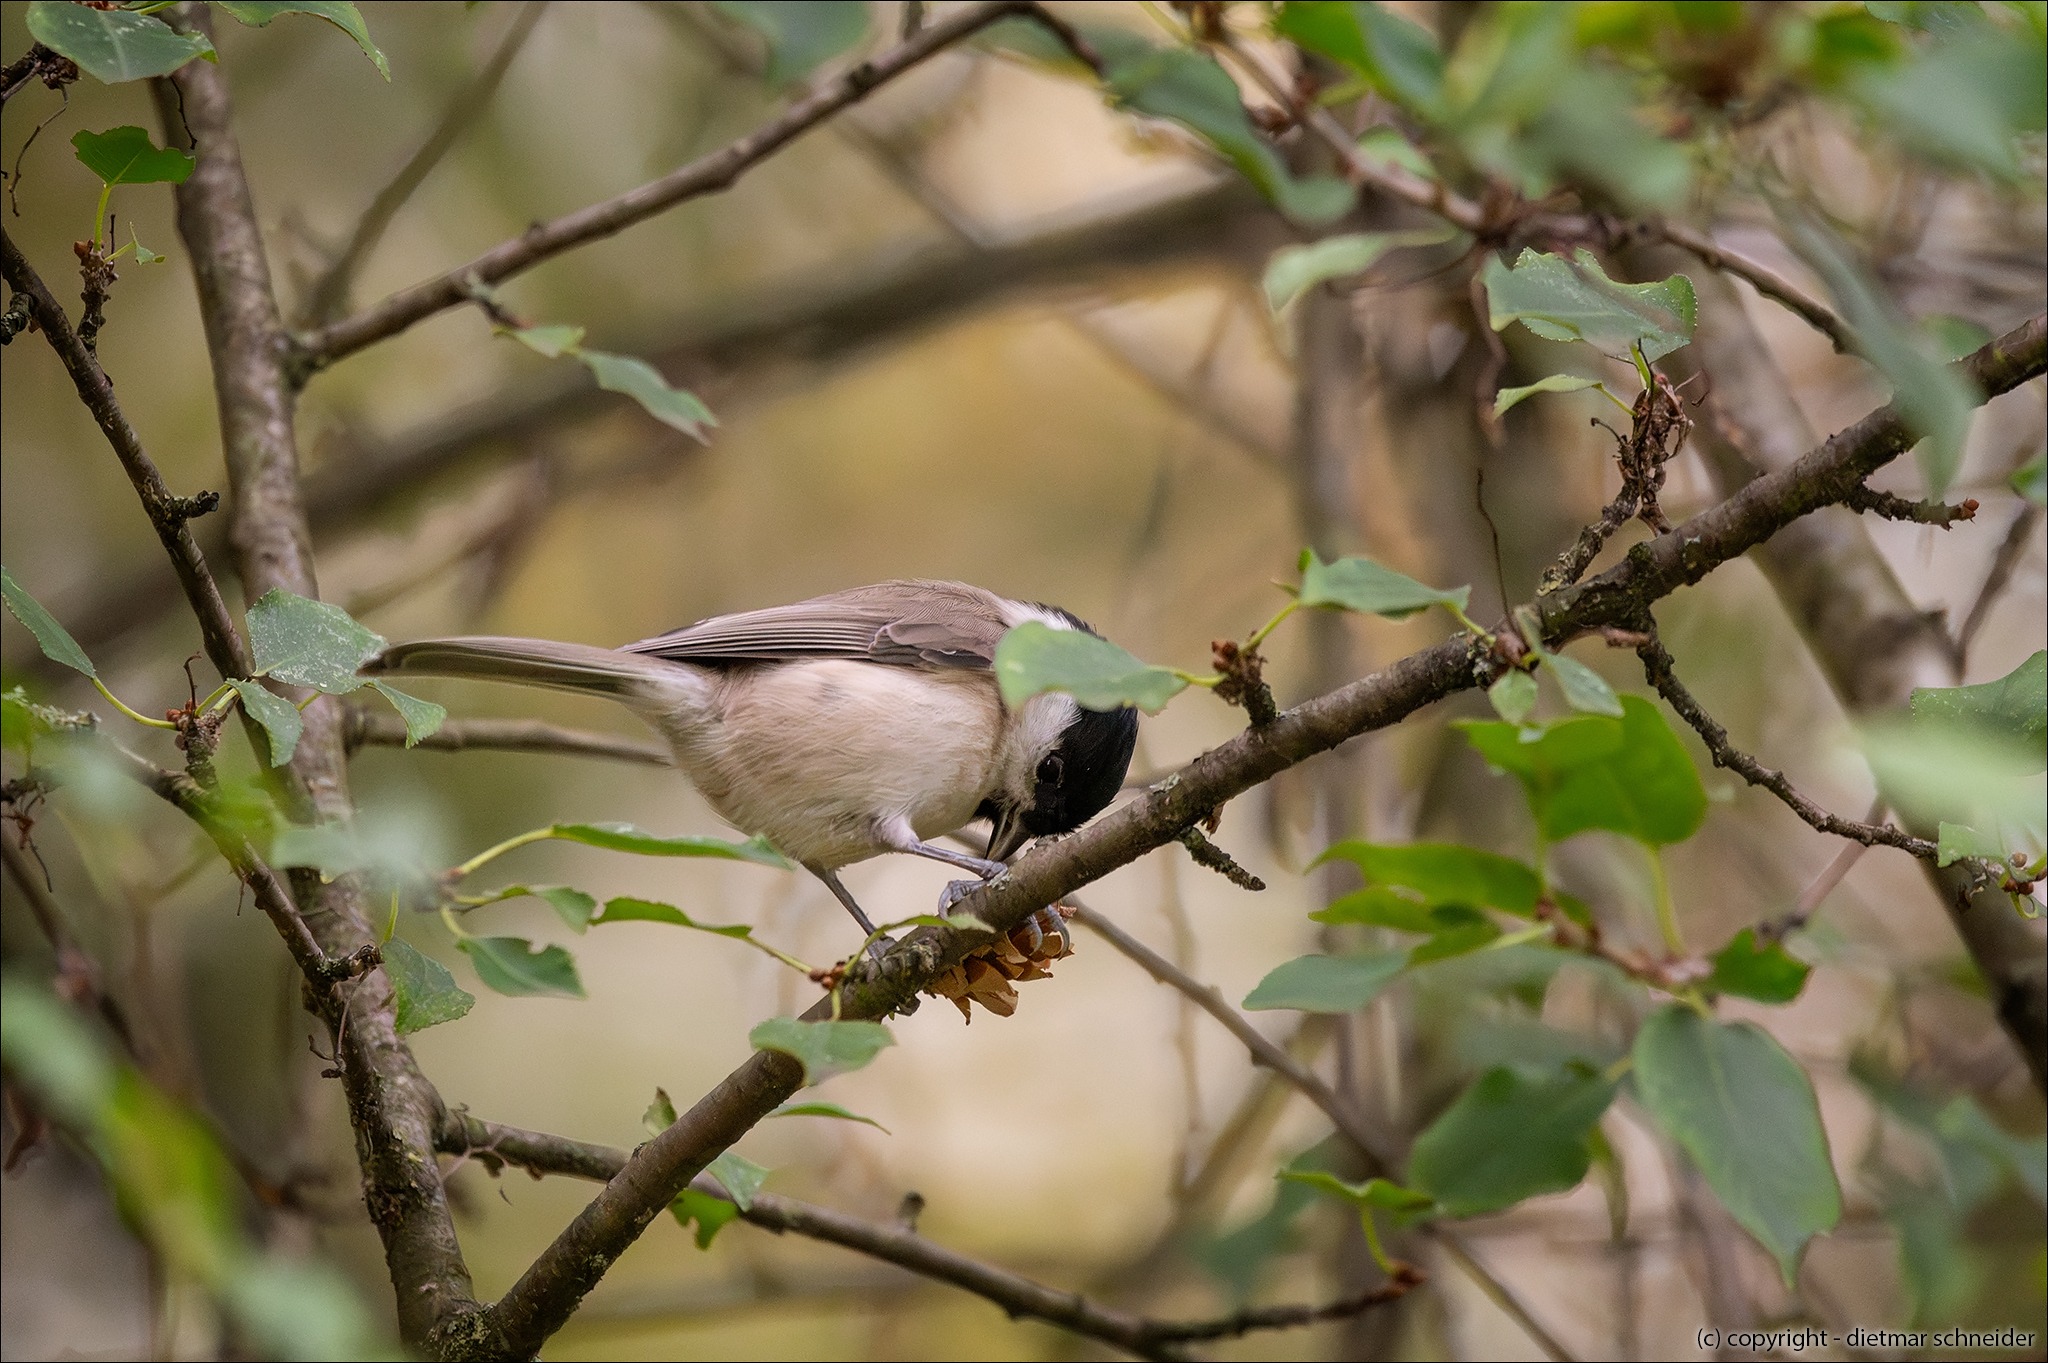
2010	549
540	1153
706	175
548	1292
329	294
168	513
363	727
392	1108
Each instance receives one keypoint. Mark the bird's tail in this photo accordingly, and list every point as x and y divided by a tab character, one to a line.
627	677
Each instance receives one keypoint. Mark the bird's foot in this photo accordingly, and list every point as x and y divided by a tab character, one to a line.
1046	935
955	891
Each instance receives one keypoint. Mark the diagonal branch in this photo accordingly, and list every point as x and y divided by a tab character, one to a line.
706	175
329	294
542	1153
550	1289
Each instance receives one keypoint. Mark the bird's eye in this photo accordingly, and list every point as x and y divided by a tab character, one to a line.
1050	767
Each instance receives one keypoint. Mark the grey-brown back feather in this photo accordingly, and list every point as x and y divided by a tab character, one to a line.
528	662
905	623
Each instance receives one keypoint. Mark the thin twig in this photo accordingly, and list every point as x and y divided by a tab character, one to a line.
705	175
364	727
1774	287
495	1145
1894	508
1659	668
2017	537
329	294
76	969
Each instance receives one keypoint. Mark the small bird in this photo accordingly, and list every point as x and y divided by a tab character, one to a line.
842	727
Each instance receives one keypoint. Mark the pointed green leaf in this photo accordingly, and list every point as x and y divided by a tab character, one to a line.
574	907
1765	973
1444	873
553	341
2014	708
712	1214
513	965
1035	657
1378	1193
340	13
282	723
1294	270
1513	695
625	909
739	1176
802	35
820	1109
660	1114
1327	984
624	837
1745	1113
303	642
1359	584
643	383
113	45
1630	775
1959	840
126	156
1397	56
822	1048
422	990
422	717
1584	689
1574	300
1550	383
1510	1137
55	641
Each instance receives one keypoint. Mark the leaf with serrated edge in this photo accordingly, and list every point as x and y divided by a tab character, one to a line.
1359	584
341	14
423	992
512	965
1035	657
573	906
822	1048
126	156
54	640
1745	1113
422	717
712	1214
1574	300
303	642
113	45
282	723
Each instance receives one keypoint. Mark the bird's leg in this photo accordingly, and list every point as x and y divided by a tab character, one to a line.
844	896
898	835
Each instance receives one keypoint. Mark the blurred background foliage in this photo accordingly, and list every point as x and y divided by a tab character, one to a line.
985	326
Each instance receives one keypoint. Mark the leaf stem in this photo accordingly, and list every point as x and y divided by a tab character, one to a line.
99	216
217	699
493	853
1478	630
1667	912
115	701
1635	352
1372	1241
1258	635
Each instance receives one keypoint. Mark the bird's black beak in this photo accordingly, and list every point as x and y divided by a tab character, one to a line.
1009	833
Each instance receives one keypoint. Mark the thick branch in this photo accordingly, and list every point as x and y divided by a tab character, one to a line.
542	1153
363	727
1660	668
549	1291
168	513
706	175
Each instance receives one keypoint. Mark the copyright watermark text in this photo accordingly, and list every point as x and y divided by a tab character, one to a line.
1802	1338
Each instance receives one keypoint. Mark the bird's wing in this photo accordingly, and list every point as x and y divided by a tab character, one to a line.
902	623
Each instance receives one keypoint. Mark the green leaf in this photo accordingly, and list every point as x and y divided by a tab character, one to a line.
113	45
55	641
1550	383
126	156
1962	1124
1399	58
1385	145
643	383
1189	88
1461	931
1630	775
739	1176
822	1048
821	1109
1963	101
1294	270
143	255
1745	1113
712	1214
553	341
513	965
624	837
423	991
303	642
574	907
660	1114
1378	1193
1765	973
1327	984
1444	873
1513	695
1359	584
2030	480
1574	300
282	723
1584	689
422	717
341	14
1035	657
629	910
802	34
1959	840
1510	1137
2013	709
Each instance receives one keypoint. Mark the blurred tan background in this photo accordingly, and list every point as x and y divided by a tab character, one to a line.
1099	421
